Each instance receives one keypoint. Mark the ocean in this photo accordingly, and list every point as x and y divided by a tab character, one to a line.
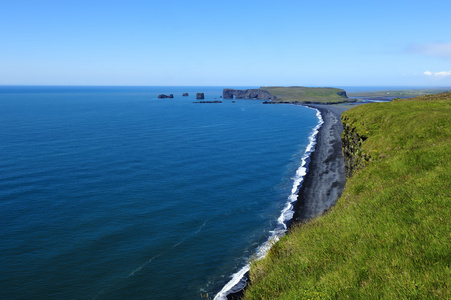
112	193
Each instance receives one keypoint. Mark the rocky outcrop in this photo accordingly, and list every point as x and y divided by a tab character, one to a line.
351	142
185	94
200	96
342	94
162	96
247	94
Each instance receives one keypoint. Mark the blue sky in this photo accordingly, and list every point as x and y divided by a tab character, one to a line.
237	43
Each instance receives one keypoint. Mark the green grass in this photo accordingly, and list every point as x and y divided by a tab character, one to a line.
307	94
389	235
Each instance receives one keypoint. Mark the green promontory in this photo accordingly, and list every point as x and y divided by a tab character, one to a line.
307	94
389	235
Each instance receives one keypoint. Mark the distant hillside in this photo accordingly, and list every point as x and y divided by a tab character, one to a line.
405	93
307	94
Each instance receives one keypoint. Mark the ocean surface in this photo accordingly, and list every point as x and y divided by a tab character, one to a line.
112	193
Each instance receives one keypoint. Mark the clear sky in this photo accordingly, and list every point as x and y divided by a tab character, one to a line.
210	42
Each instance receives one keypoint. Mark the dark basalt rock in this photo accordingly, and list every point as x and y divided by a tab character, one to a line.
342	94
200	96
216	101
355	157
185	94
279	102
163	96
247	94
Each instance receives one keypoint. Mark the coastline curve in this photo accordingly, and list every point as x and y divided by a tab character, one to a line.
239	279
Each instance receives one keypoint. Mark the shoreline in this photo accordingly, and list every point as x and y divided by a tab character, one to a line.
325	178
234	288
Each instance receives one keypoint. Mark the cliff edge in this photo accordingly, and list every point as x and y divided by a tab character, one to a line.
247	94
387	237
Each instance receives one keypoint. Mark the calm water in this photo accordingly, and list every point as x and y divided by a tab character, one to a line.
111	193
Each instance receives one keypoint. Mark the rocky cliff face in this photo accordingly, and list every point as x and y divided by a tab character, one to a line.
342	94
351	142
247	94
163	96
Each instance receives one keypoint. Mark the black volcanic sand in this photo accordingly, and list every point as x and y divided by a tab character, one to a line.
325	179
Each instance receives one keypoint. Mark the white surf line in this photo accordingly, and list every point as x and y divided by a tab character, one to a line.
287	213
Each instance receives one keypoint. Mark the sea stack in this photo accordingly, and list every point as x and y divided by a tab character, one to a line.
200	96
162	96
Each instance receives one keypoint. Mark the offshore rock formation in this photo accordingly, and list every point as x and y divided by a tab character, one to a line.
185	94
162	96
247	94
200	96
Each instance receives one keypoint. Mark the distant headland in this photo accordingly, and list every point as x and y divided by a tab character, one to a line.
294	94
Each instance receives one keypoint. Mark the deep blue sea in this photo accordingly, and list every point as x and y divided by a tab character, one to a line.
112	193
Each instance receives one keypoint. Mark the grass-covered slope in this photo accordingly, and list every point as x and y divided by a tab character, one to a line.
307	94
389	235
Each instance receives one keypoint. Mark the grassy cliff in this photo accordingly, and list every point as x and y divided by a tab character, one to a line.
389	235
307	94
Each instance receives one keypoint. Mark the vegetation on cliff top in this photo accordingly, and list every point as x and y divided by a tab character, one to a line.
307	94
389	235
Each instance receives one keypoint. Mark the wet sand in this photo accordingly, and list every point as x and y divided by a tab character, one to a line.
325	178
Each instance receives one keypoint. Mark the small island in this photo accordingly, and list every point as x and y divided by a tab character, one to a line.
163	96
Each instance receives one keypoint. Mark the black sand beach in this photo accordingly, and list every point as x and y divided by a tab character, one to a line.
325	178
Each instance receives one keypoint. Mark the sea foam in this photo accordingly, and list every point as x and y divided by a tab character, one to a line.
239	280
